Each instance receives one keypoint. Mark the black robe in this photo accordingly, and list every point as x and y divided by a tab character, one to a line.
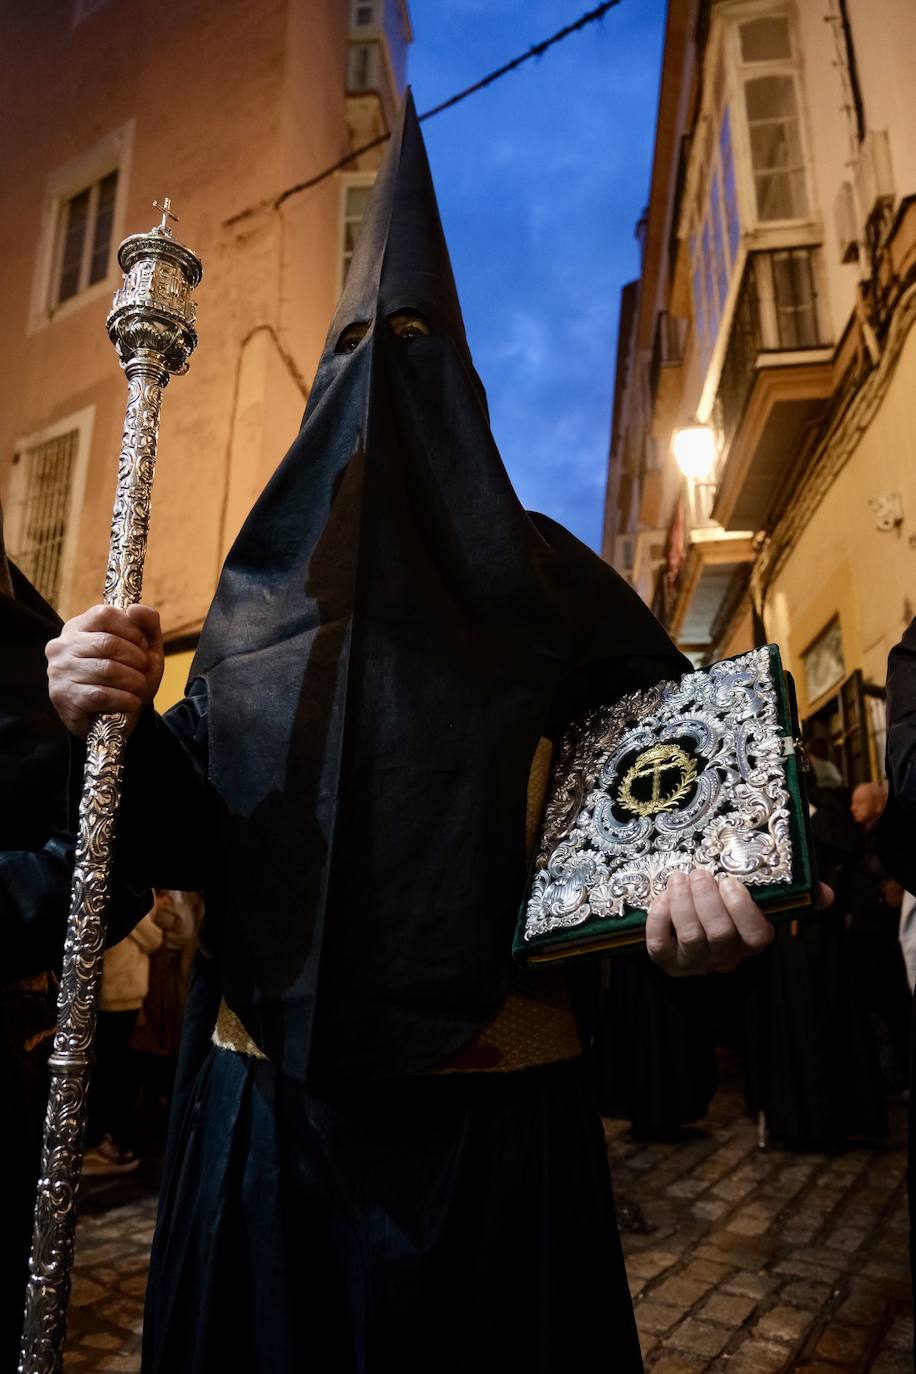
896	837
812	1060
346	780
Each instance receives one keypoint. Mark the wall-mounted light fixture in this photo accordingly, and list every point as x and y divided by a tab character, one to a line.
694	448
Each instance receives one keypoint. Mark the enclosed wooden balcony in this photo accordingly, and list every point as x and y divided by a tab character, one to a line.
776	378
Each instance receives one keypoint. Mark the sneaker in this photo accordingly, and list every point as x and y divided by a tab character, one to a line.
107	1158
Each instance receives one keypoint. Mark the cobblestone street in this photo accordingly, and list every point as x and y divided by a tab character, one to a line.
752	1262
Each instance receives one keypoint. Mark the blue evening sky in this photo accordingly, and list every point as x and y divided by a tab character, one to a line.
541	179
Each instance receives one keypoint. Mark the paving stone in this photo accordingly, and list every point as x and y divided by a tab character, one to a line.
747	1224
656	1317
783	1323
846	1238
819	1367
710	1209
670	1362
900	1336
891	1362
758	1357
865	1309
686	1187
809	1294
101	1340
706	1271
883	1270
843	1344
699	1337
797	1235
135	1284
730	1309
681	1292
752	1285
84	1291
648	1264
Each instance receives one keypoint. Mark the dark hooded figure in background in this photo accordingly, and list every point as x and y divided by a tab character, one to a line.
895	841
384	1151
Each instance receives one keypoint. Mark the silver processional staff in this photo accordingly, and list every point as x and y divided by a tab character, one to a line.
151	325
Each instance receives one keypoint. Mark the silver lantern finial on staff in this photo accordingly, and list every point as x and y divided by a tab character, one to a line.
151	325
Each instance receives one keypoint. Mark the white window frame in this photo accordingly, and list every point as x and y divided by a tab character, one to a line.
347	179
724	48
112	153
13	506
739	72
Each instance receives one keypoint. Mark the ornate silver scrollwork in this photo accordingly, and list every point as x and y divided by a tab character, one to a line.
729	813
152	327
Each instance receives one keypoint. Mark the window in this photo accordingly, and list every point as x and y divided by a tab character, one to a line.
84	239
82	223
715	241
363	14
355	199
771	108
45	493
361	67
795	298
765	40
776	151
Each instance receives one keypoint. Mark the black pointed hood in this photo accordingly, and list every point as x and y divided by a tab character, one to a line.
391	635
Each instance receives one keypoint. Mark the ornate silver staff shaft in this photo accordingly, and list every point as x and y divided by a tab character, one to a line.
152	326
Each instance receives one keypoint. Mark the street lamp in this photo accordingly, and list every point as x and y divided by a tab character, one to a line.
694	448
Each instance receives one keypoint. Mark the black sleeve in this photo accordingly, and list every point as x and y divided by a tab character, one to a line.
896	836
35	900
167	823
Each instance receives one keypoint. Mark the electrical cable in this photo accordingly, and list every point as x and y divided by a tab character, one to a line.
536	50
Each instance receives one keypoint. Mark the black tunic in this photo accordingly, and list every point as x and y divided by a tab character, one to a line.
896	836
391	635
812	1059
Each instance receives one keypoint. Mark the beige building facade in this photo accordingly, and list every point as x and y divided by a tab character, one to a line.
222	105
769	343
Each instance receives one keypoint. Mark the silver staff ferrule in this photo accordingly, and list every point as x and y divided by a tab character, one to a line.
151	325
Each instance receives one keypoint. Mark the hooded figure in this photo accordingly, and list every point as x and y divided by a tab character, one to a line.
391	636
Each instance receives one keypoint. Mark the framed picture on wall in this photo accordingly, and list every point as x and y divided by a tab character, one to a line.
824	664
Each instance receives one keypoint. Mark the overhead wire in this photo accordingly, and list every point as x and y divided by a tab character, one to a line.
536	50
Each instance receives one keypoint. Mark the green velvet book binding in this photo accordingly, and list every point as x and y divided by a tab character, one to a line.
706	772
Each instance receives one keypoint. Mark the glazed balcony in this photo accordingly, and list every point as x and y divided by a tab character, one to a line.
776	377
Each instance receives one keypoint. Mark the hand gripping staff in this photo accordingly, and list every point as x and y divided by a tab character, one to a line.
151	325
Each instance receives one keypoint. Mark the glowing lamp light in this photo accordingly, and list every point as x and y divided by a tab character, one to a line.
694	448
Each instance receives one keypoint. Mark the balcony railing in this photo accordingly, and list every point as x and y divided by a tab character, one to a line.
776	312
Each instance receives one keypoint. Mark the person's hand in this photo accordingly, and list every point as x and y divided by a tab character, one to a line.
699	925
105	660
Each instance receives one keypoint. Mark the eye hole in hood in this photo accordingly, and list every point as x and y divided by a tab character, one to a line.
405	324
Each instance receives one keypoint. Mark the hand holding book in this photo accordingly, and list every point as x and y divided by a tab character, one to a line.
699	925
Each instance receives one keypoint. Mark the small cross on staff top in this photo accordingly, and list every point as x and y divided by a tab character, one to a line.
166	208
